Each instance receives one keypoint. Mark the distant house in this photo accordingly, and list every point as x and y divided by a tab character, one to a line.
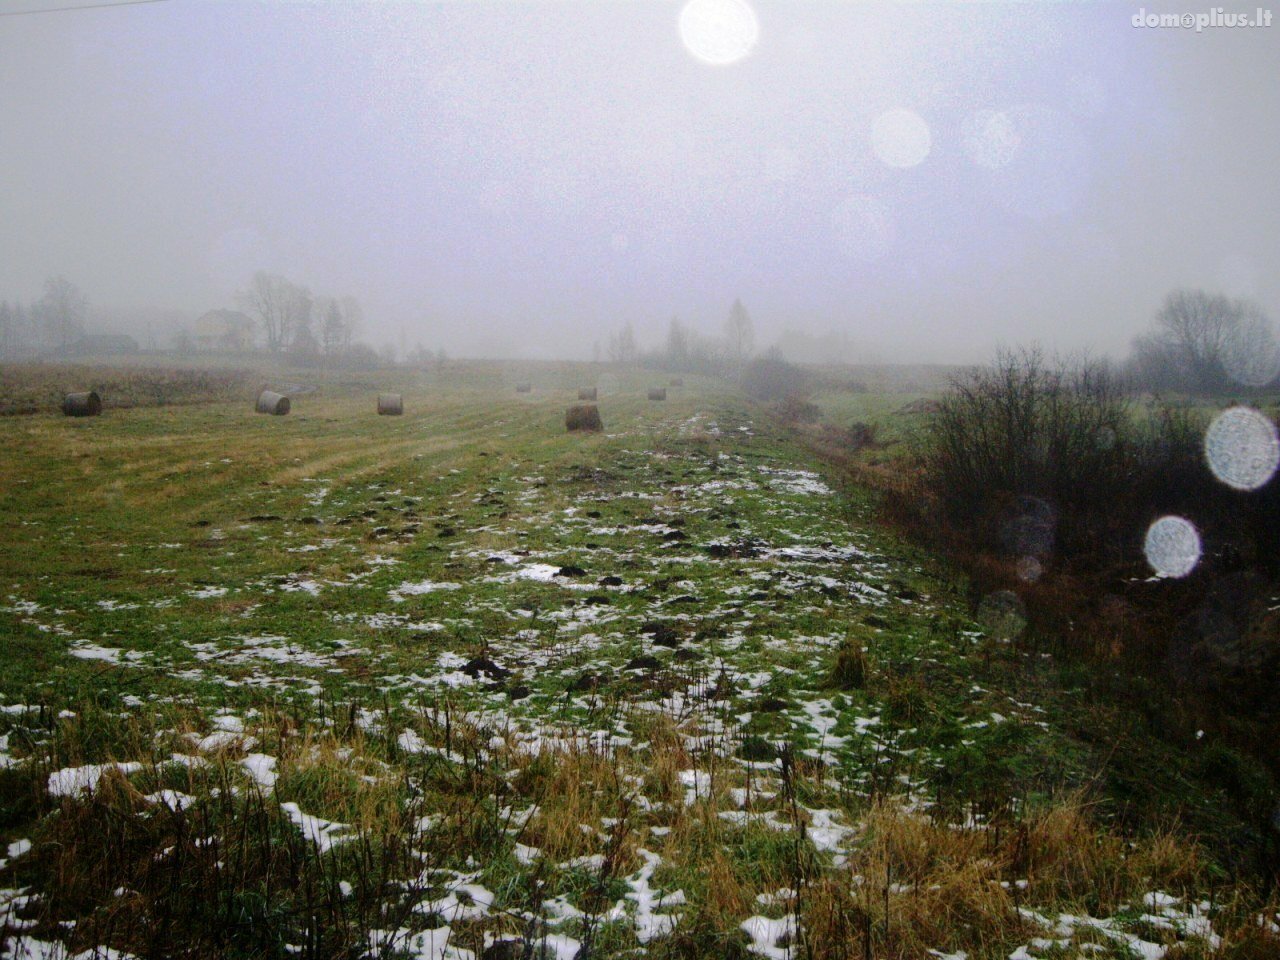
98	344
223	331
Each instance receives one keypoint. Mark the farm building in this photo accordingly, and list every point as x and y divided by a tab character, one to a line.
223	331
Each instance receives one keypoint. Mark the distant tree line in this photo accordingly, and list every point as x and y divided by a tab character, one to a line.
766	376
684	350
319	331
52	324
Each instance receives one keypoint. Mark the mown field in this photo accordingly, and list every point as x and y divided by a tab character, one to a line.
458	684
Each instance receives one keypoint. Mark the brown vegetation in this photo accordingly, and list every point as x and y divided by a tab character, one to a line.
583	417
28	388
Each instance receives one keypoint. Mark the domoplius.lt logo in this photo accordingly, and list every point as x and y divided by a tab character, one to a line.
1215	17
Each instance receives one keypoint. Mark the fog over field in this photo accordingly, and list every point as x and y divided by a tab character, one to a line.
683	480
930	180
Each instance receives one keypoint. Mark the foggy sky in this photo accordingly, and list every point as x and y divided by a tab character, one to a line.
522	177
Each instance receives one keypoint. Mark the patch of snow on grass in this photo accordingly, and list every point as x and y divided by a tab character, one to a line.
325	834
72	781
410	589
771	938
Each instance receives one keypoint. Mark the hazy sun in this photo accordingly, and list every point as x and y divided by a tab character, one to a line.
719	32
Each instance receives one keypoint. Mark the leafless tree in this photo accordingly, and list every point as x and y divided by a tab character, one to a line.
1251	354
334	334
739	334
298	307
1206	343
352	319
267	299
622	345
61	312
677	349
8	331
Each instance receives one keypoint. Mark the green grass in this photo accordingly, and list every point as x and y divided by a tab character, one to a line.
368	601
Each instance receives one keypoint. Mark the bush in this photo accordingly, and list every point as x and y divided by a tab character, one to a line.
358	356
862	434
1033	460
1042	481
797	410
1014	445
770	378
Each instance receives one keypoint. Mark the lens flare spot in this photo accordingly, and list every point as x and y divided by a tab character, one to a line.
1252	356
991	138
1041	160
1003	616
719	32
1029	569
901	138
1172	547
1242	448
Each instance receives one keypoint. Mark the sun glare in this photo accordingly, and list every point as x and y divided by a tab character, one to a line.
719	32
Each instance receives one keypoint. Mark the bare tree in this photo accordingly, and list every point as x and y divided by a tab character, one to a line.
352	319
1251	355
677	349
304	342
8	331
1206	343
25	334
334	334
61	312
739	334
622	345
1196	326
267	300
298	305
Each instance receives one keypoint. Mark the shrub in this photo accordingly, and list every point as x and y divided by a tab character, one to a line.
851	667
862	434
1045	478
796	410
1022	428
770	377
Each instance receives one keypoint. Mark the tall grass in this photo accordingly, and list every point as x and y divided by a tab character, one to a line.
39	388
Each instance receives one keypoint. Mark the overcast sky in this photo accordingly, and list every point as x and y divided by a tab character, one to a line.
934	179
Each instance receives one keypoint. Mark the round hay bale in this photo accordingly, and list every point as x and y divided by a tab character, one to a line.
276	404
583	417
524	387
587	393
86	404
677	381
390	405
658	393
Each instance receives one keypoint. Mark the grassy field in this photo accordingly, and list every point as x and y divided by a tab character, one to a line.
458	684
